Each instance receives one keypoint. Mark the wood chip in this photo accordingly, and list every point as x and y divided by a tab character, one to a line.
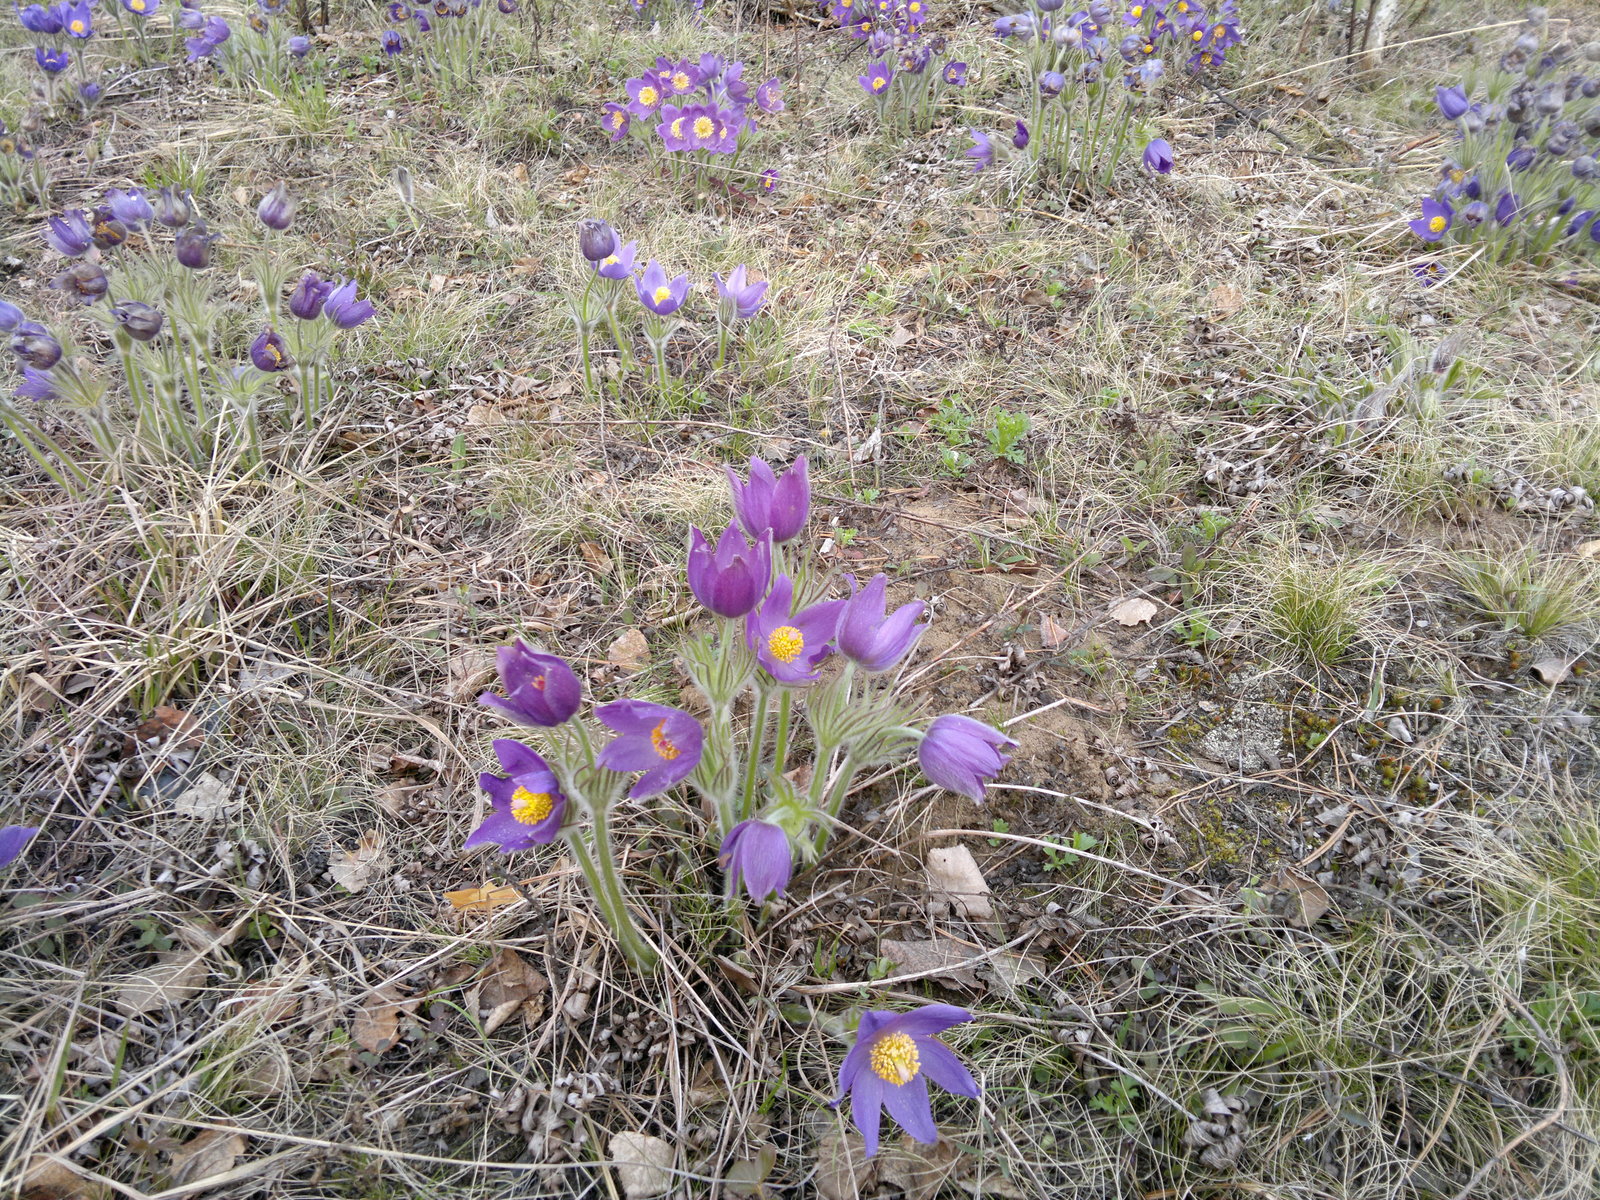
629	651
355	869
1135	610
953	876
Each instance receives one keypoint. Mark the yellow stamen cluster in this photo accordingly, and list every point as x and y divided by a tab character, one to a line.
879	83
529	808
662	743
1437	224
785	643
648	96
77	27
680	82
895	1059
704	127
662	295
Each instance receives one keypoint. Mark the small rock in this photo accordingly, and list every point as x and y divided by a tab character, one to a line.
643	1164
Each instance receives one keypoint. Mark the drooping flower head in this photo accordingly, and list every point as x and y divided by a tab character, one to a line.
871	639
309	295
269	352
758	853
193	246
138	320
70	233
1435	220
894	1056
35	347
665	743
961	755
343	309
14	840
276	209
780	504
981	152
596	239
1158	157
527	801
740	299
732	579
541	689
788	643
84	281
173	208
769	96
657	293
877	79
37	386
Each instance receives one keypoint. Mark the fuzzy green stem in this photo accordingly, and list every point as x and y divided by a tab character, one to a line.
752	770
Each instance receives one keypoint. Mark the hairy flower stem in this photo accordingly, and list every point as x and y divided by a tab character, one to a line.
752	769
600	870
780	753
40	447
835	801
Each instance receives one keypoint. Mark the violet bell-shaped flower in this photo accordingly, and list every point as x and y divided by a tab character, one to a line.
10	317
130	206
35	347
740	300
173	208
70	233
541	689
527	801
36	18
36	386
961	754
596	239
83	280
343	309
193	246
14	840
1452	101
276	209
756	853
664	743
1158	156
658	294
780	504
309	295
872	640
138	320
732	579
269	352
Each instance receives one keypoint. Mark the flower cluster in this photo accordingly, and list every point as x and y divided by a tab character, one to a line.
67	27
186	397
611	265
446	37
1081	119
699	112
1523	175
907	71
22	173
778	629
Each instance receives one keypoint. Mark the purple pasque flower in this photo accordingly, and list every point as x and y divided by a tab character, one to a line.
1052	84
138	320
616	120
1158	157
397	11
618	265
269	353
769	96
36	385
1435	220
767	181
955	74
657	293
645	95
391	43
790	644
424	25
665	743
596	239
1521	158
732	579
35	347
508	8
960	754
1507	208
699	127
869	638
51	61
981	152
14	840
191	19
70	233
527	801
894	1056
36	18
10	317
740	299
174	208
276	210
758	853
1452	101
877	79
213	32
1475	213
541	689
83	280
109	232
1019	139
193	246
299	45
141	8
343	309
309	295
77	20
1016	25
130	206
677	79
769	502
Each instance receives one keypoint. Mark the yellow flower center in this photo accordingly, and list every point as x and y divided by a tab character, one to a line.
895	1060
609	260
785	643
1437	224
662	295
277	355
616	120
529	808
1136	11
1197	34
136	5
1149	49
704	127
77	27
677	128
658	737
680	82
879	83
648	96
914	7
1220	30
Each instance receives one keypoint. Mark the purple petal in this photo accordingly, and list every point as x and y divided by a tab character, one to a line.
518	759
940	1064
908	1104
14	840
927	1020
503	830
866	1107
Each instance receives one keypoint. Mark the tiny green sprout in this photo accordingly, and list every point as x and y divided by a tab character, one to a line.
952	421
954	462
844	536
1060	860
880	967
999	825
1006	435
868	495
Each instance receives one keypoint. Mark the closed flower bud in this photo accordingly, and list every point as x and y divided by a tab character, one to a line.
35	347
310	295
83	280
173	208
140	321
276	209
596	239
269	353
193	246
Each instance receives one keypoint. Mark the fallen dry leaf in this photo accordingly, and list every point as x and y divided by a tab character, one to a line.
630	651
953	876
376	1027
511	988
210	1153
171	979
920	1171
208	798
843	1170
1225	301
1589	549
599	561
643	1164
167	727
1135	610
940	955
1308	898
482	899
745	1177
51	1179
355	869
1051	632
1551	671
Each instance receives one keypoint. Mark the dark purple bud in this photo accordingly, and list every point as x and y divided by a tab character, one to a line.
596	239
276	209
140	321
83	280
1019	139
269	353
173	208
1052	84
1452	101
193	246
1158	157
89	92
732	579
1520	159
310	295
35	347
768	501
38	19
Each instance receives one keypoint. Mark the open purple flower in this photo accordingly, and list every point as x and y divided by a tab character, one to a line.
130	206
740	299
665	743
889	1066
309	295
51	61
1435	220
14	840
658	294
981	151
528	801
276	209
343	309
616	120
769	96
955	73
70	233
1452	101
645	96
77	20
767	181
10	317
732	579
960	754
789	644
36	18
618	265
771	502
877	79
141	8
541	689
37	386
269	353
1158	157
870	639
109	232
758	853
